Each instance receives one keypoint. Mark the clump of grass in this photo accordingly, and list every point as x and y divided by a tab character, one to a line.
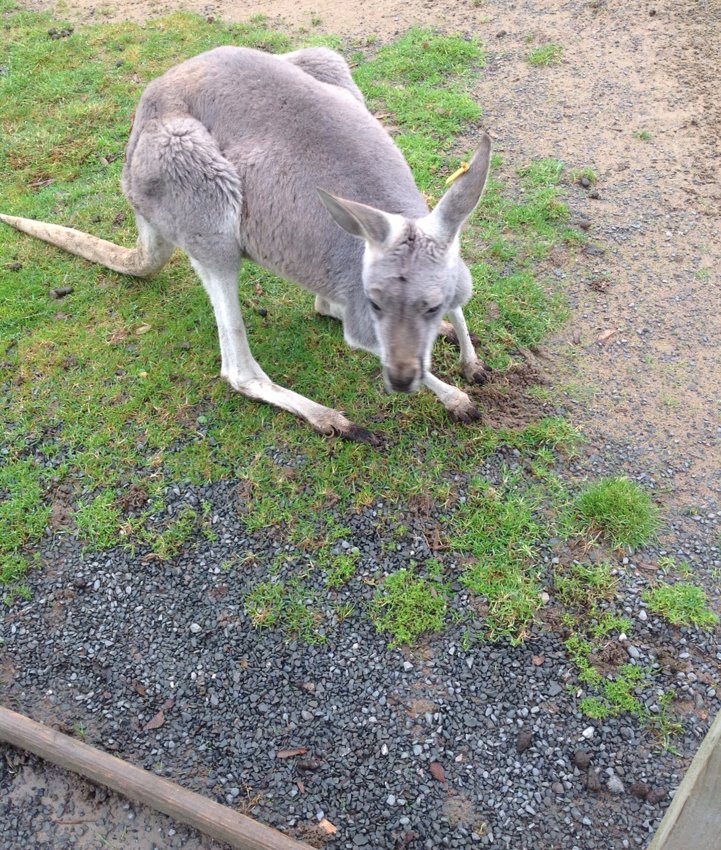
577	174
643	135
682	604
584	585
542	172
618	509
170	541
546	54
501	535
618	696
291	606
264	604
98	521
407	606
341	569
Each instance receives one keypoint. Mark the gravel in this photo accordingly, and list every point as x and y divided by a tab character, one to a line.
106	642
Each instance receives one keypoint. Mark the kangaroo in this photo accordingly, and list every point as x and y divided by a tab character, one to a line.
238	153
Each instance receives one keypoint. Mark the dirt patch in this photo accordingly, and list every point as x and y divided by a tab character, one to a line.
460	811
609	658
61	509
132	498
506	401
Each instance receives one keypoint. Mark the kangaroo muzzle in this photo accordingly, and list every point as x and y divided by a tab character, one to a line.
403	377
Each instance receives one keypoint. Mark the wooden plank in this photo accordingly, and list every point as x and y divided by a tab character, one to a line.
143	786
693	820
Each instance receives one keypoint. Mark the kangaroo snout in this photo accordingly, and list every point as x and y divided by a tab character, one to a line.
403	377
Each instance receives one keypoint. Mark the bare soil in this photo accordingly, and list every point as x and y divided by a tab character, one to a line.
652	277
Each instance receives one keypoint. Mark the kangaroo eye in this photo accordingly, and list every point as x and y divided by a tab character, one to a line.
374	306
431	311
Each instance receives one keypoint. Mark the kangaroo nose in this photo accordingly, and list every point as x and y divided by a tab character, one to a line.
402	378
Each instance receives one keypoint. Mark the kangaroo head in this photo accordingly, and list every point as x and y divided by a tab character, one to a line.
412	270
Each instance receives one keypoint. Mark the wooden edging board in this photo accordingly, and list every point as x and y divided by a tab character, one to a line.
143	786
693	820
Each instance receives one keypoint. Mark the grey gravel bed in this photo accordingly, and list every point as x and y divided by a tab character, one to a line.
107	641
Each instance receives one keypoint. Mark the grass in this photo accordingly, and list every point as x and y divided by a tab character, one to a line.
546	54
617	509
682	604
290	606
407	606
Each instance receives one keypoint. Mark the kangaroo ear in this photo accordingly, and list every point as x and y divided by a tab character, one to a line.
460	200
358	219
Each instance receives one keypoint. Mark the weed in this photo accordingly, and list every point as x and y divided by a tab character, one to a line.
546	54
643	135
577	174
681	604
619	509
407	606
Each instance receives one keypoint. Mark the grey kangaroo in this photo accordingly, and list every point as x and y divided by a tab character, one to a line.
234	154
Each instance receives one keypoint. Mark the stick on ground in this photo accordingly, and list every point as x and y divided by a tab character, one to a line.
209	817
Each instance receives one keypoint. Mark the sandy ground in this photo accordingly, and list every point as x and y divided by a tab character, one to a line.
640	358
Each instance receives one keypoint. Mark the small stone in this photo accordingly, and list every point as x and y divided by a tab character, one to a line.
642	615
588	733
391	800
593	783
262	312
582	759
195	628
524	740
585	182
639	789
656	795
407	666
615	786
633	652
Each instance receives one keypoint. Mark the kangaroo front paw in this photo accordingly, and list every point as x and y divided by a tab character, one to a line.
475	372
463	410
335	424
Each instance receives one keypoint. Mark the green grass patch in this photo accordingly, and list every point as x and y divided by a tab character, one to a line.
682	604
290	606
575	175
407	606
546	54
341	569
98	521
499	533
619	510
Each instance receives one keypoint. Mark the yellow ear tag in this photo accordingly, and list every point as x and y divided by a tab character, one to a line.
456	174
